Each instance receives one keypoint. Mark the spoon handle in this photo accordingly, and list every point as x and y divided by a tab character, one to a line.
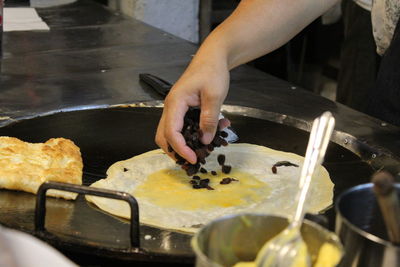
321	132
386	195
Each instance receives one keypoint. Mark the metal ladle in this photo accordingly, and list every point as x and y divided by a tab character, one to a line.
283	249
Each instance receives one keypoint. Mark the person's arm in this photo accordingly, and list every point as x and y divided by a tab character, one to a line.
255	28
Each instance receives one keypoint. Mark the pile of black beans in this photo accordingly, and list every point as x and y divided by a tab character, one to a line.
192	134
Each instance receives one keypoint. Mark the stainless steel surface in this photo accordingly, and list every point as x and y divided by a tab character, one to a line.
231	239
360	226
284	248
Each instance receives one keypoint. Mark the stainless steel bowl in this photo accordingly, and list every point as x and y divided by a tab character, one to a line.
231	239
360	227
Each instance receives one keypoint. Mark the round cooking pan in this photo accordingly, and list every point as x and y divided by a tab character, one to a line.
109	134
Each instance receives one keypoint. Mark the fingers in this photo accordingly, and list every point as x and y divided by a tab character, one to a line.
169	130
223	123
209	116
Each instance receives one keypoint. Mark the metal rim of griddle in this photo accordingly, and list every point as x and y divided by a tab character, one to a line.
342	139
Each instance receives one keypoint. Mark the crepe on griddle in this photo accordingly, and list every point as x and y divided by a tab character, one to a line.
167	199
25	166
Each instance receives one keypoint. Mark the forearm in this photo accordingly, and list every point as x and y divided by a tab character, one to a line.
258	27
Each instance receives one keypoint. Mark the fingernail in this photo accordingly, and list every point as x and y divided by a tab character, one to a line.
207	138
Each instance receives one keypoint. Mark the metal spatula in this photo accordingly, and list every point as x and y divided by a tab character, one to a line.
283	249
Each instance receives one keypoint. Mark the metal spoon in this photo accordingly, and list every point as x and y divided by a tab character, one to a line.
283	249
386	195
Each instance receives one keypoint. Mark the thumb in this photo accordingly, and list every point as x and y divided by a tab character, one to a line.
209	117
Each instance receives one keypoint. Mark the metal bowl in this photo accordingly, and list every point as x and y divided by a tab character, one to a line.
231	239
360	226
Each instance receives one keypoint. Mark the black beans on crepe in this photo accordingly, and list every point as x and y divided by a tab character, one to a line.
282	163
192	134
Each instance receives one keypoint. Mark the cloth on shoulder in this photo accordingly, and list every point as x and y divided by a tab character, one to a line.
384	16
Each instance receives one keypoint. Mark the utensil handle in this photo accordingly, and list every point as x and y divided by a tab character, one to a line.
320	135
389	204
156	83
40	211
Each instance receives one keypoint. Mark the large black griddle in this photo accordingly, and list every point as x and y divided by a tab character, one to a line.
109	134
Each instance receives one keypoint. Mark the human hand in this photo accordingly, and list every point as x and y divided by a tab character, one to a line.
203	85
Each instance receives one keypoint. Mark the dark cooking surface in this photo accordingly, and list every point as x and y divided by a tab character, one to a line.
112	134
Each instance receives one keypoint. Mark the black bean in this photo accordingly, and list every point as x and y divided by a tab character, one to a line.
196	177
202	170
204	182
187	135
224	142
195	136
196	186
224	134
201	152
228	180
213	172
193	182
210	147
189	143
180	161
187	120
285	163
274	170
221	159
226	169
193	169
225	181
217	141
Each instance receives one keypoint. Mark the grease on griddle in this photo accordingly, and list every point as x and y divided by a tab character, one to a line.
282	163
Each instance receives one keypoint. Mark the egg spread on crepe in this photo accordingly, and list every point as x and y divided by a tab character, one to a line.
167	199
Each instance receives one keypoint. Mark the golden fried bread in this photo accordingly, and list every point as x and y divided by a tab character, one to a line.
25	166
